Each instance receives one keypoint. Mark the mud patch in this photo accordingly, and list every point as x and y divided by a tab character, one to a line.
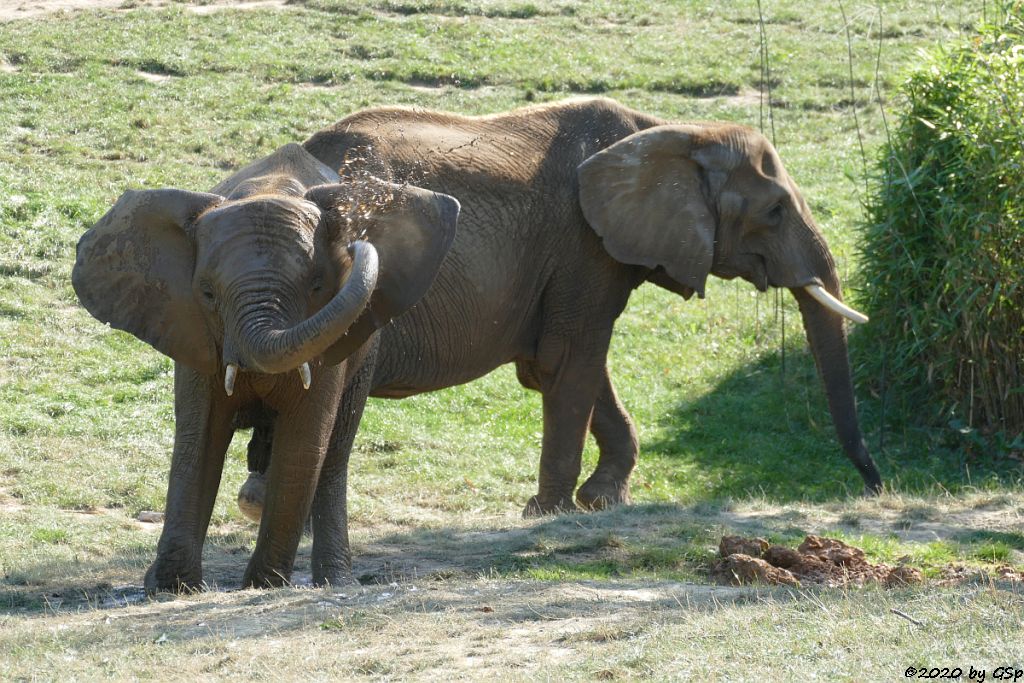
906	519
958	574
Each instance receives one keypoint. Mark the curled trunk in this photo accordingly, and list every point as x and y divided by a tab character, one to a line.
271	349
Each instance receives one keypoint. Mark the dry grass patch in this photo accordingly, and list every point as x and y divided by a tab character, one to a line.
519	630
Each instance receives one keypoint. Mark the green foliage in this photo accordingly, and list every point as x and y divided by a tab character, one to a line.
943	274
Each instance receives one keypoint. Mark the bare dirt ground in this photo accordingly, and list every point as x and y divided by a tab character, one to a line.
435	595
416	544
11	10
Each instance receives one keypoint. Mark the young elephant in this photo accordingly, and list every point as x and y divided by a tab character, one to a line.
567	208
267	293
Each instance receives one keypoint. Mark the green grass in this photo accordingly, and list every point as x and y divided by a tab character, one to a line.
95	102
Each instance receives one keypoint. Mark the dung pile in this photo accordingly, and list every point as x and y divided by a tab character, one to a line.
818	561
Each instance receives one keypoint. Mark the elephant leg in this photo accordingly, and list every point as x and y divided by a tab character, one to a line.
301	437
253	491
617	442
569	373
202	432
332	556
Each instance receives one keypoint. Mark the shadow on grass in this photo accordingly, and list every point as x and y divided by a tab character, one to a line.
50	586
550	563
665	542
762	431
625	560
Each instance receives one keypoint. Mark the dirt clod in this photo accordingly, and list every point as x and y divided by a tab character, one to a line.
831	550
818	561
781	556
904	576
737	569
1008	573
731	545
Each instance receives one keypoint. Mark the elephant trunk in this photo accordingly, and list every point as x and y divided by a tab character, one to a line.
826	335
271	349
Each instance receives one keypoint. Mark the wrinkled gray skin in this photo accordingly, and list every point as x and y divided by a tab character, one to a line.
260	274
566	209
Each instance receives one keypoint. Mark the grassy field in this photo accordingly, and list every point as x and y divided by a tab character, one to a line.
732	439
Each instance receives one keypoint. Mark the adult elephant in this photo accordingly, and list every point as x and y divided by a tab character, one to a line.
249	288
566	209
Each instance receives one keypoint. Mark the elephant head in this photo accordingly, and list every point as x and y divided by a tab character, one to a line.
282	263
690	200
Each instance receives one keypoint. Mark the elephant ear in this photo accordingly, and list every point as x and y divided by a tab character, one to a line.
134	271
647	197
412	230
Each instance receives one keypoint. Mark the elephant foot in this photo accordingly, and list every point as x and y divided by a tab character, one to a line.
331	567
251	496
265	578
161	577
339	579
872	490
602	491
538	507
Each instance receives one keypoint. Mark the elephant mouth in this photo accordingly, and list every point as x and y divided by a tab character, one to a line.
271	348
755	271
231	374
749	266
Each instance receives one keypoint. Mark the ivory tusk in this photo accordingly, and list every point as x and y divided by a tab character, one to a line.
822	296
229	379
307	377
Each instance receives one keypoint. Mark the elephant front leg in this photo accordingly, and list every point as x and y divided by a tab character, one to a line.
617	441
301	435
332	555
202	433
570	390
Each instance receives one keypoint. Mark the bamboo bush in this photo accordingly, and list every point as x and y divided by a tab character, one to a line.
943	271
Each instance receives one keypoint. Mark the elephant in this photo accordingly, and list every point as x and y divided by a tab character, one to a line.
567	207
267	292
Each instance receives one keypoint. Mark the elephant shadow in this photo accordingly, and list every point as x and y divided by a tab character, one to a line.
764	430
104	583
614	550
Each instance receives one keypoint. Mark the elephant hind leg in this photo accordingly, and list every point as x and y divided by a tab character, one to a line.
253	491
569	372
616	438
527	374
617	441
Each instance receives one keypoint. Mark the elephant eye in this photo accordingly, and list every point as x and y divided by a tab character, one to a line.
207	291
318	285
774	215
